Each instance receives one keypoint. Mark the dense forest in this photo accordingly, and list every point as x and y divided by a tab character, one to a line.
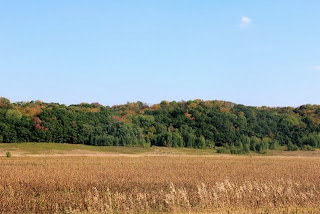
224	126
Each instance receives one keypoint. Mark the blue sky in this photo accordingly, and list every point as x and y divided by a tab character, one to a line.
249	52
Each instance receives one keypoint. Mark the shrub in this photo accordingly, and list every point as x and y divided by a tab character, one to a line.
254	143
201	142
210	144
164	139
8	154
262	148
238	149
292	147
258	145
177	140
246	148
274	145
308	148
312	140
264	145
222	150
245	140
146	144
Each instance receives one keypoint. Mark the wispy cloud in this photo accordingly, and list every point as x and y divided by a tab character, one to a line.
317	67
245	21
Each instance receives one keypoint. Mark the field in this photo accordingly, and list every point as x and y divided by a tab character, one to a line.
155	180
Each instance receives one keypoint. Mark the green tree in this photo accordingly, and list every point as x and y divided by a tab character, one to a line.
13	115
201	142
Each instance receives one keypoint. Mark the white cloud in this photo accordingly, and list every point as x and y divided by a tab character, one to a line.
317	67
245	21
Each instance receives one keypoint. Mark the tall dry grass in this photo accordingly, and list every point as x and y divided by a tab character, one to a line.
159	184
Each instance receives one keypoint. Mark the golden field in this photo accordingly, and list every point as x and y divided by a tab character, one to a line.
159	184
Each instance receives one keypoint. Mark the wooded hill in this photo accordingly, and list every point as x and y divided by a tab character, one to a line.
226	126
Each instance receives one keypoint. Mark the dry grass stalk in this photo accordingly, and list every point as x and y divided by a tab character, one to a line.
159	184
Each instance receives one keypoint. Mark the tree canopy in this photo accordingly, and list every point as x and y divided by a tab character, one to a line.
193	124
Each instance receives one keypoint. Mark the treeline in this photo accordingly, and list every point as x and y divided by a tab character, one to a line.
225	126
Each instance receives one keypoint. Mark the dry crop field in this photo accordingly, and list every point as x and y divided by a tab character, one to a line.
160	184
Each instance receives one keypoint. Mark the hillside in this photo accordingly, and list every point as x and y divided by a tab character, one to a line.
226	126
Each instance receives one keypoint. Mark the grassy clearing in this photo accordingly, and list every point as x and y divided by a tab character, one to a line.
64	148
21	149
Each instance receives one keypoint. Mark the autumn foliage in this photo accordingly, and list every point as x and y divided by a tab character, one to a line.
37	122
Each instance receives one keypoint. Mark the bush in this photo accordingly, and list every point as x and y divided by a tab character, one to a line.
245	141
292	147
308	148
312	140
274	145
201	142
254	143
8	154
146	144
258	145
262	148
238	149
177	140
164	139
222	150
210	144
246	148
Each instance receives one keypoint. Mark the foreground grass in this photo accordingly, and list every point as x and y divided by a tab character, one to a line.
160	184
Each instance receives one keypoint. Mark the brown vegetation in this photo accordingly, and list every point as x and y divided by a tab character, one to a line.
159	184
